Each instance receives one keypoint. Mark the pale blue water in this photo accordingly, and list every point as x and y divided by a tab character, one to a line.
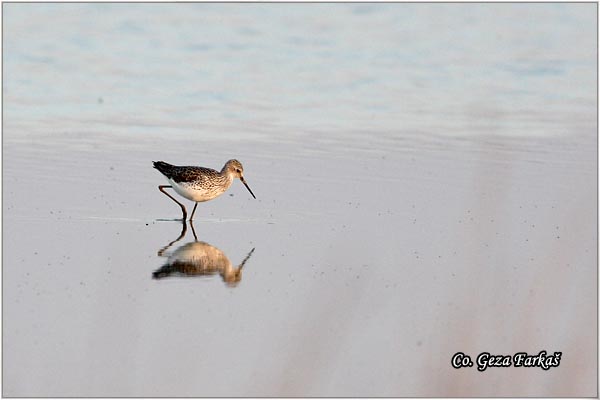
284	69
426	182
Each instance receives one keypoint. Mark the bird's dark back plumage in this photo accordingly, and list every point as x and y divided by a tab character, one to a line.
184	174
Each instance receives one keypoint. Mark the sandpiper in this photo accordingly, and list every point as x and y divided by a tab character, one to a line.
198	183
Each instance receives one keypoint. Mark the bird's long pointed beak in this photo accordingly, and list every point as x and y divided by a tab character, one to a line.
247	187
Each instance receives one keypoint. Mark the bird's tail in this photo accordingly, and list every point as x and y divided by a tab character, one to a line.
161	166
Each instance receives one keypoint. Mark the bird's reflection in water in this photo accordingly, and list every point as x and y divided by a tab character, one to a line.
198	259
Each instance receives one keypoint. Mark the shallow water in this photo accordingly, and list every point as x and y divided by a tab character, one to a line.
422	189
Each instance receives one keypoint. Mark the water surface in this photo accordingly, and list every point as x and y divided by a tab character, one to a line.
425	178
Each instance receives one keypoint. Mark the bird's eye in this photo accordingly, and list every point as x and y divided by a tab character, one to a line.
238	170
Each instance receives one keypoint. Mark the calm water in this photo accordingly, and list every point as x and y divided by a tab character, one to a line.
426	184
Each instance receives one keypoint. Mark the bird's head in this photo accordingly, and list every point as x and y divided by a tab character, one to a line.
235	169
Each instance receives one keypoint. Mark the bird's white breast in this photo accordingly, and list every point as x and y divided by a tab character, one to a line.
195	193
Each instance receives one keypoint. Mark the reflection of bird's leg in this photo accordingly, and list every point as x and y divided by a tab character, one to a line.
162	189
193	230
193	211
246	259
183	231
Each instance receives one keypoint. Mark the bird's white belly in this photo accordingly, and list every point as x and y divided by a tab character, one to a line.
196	193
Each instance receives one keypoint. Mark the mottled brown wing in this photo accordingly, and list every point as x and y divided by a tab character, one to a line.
192	174
184	174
